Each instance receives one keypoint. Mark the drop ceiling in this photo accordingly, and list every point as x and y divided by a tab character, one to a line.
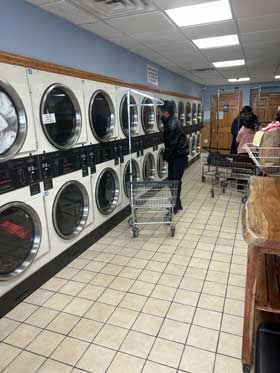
149	32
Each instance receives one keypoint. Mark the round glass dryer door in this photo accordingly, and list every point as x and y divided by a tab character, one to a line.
175	106
198	143
61	116
148	115
181	113
188	114
161	165
20	237
70	210
126	175
107	191
193	139
199	113
149	169
133	116
159	121
194	114
102	116
13	122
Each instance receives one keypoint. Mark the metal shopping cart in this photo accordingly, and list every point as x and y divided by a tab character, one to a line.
266	159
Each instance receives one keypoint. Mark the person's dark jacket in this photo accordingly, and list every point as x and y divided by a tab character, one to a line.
235	127
174	139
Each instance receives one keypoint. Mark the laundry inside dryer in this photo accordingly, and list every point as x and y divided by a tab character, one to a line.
8	123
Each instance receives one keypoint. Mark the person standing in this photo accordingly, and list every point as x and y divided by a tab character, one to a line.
176	148
238	122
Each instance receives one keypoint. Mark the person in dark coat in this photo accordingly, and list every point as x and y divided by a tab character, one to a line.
176	148
238	122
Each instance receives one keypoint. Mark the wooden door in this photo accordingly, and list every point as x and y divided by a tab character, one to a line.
266	110
220	133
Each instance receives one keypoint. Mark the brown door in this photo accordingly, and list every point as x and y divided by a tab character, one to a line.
220	134
268	105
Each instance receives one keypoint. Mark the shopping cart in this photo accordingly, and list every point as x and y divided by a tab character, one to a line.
154	198
266	159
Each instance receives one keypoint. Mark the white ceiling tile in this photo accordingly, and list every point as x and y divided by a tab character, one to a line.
167	4
230	53
102	29
163	37
268	22
150	22
171	47
254	8
209	30
260	37
70	11
238	72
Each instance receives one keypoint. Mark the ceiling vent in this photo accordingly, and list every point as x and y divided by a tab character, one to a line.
115	8
205	70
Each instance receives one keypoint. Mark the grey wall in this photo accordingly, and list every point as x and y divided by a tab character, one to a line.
32	32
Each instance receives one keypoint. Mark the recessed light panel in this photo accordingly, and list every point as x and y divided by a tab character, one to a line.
277	76
198	14
235	80
217	42
229	63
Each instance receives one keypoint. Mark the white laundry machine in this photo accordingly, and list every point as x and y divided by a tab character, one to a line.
58	109
181	113
17	130
101	107
198	142
199	113
23	235
148	165
162	165
125	175
193	145
188	114
135	124
194	113
189	142
148	115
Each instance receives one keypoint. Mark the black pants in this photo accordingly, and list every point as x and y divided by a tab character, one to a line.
176	168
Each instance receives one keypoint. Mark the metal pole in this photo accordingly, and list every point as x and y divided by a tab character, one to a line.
218	120
129	143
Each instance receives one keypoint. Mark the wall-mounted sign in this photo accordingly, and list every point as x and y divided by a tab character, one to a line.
226	108
152	75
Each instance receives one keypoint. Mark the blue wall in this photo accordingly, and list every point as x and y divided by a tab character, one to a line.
32	32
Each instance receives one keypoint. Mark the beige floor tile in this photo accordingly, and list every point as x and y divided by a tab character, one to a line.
111	336
100	312
78	263
72	288
225	364
26	362
170	280
126	364
196	273
22	336
120	260
67	273
230	345
102	280
130	272
174	331
142	288
221	257
133	302
86	330
163	292
202	254
8	354
39	297
78	306
236	292
137	344
148	324
91	292
112	297
186	297
150	276
58	301
22	311
45	343
63	323
54	284
121	283
111	269
166	352
215	276
51	366
96	359
204	338
7	326
162	257
211	302
199	263
237	280
196	360
238	269
70	351
156	307
219	266
175	269
94	266
234	307
138	263
207	318
156	266
214	288
144	254
232	324
123	317
104	257
192	284
42	317
151	367
181	312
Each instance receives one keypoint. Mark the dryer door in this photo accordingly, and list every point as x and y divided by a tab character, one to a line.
107	191
133	116
199	113
193	145
61	116
20	237
13	122
161	165
149	169
188	114
70	210
148	115
126	175
181	113
194	114
102	116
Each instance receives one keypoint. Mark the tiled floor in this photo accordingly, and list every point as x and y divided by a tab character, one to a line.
154	304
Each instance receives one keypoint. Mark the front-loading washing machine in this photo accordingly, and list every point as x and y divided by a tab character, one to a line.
17	130
193	145
189	143
148	165
162	165
58	108
181	113
135	109
23	235
148	115
194	113
188	115
199	113
125	175
101	107
198	142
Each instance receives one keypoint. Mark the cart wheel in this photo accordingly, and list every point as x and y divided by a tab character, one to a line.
246	368
212	193
203	179
217	178
130	222
135	231
224	190
172	231
167	217
244	199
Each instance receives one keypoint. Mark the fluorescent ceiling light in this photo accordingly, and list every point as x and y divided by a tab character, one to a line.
217	42
277	76
229	63
234	80
213	11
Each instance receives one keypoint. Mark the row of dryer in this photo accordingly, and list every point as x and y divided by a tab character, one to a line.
42	112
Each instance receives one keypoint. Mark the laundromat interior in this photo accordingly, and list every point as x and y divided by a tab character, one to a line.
104	105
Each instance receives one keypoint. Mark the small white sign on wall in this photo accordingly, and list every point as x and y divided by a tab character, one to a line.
152	75
207	115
